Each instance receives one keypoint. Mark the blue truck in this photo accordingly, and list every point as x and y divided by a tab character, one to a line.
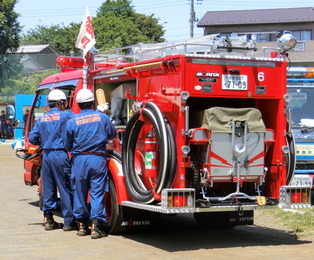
301	93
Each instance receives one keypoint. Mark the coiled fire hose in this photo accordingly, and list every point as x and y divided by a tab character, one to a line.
167	153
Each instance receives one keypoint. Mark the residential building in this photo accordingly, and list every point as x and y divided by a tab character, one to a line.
37	58
266	26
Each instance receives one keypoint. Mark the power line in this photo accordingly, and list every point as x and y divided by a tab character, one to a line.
155	7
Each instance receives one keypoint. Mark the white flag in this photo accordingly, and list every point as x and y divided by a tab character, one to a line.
86	39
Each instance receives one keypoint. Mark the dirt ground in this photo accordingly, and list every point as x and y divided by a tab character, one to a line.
23	237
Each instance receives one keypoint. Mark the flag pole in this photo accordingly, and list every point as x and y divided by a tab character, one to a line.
85	41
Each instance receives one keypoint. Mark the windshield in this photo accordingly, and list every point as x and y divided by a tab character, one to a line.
40	105
302	105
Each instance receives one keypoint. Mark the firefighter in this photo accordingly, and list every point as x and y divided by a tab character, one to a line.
47	133
3	127
86	137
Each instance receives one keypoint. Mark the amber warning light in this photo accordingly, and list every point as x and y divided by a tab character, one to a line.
66	63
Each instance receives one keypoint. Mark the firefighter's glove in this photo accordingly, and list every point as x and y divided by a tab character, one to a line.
103	108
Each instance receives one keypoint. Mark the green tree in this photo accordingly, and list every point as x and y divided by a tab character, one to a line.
116	24
26	85
9	39
61	37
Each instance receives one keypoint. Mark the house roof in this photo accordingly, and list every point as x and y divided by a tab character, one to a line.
35	48
261	16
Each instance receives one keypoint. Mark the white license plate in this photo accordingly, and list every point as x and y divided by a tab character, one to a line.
234	82
301	181
304	149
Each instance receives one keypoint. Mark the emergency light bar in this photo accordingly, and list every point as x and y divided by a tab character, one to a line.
69	63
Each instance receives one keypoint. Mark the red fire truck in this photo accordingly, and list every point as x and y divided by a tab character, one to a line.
203	128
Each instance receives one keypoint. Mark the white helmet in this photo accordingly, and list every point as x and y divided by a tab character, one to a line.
56	95
84	95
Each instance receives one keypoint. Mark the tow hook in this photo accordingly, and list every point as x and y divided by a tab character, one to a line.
240	211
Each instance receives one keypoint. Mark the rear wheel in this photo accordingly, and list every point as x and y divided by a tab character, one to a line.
40	193
113	210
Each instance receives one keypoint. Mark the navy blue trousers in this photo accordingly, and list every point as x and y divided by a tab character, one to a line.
56	174
89	175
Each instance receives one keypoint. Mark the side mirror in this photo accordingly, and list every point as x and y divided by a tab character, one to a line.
10	116
10	113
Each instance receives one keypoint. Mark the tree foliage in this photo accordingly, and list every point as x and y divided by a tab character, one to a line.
61	37
9	27
116	24
25	85
9	40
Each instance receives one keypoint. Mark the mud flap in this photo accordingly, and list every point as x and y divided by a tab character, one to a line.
237	218
135	219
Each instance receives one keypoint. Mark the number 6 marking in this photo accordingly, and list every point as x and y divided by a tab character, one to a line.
261	76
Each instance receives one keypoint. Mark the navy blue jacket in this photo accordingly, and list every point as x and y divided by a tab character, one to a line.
88	131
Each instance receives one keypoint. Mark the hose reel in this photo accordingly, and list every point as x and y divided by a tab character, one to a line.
136	187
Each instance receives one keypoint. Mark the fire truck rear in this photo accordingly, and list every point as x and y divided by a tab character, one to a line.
203	128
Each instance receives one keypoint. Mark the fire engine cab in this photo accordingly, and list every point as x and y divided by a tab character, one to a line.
203	128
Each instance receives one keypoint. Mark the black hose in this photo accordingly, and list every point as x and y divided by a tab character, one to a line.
291	157
167	153
110	153
163	140
135	189
172	161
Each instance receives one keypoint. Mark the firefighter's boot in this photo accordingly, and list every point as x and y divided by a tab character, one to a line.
71	227
50	223
98	229
82	228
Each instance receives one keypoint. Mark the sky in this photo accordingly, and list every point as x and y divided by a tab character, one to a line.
174	15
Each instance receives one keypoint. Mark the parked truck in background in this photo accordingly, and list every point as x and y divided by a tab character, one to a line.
202	129
301	91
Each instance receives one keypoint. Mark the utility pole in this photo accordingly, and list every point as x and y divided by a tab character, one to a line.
193	18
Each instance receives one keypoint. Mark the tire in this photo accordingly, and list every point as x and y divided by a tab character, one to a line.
113	210
291	157
40	194
41	201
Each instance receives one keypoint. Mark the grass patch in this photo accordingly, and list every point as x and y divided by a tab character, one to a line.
300	222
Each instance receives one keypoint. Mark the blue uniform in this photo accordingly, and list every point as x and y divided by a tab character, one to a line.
48	132
3	127
86	137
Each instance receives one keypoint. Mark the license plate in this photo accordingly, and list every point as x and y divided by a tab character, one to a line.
301	181
234	82
304	149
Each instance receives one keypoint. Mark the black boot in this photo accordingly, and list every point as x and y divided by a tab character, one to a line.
72	226
98	229
50	224
82	228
